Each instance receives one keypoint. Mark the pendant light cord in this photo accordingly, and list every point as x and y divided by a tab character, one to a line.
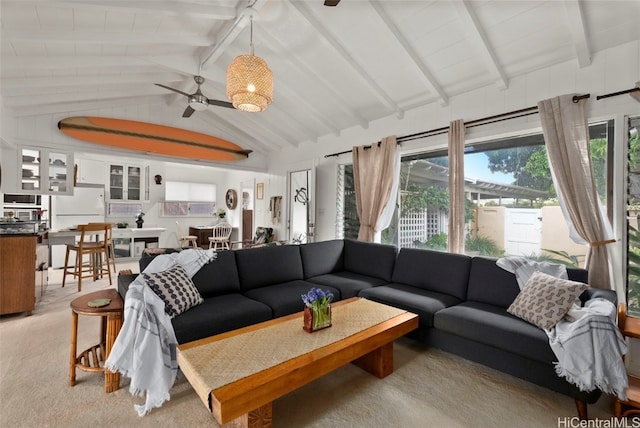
251	35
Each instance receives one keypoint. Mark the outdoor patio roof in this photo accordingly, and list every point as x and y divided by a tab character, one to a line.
423	172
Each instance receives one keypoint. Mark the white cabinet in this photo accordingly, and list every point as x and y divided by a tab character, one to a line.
91	171
44	171
125	182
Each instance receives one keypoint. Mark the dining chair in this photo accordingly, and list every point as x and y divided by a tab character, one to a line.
189	240
221	236
89	250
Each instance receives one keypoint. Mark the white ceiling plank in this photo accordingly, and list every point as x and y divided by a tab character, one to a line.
382	96
478	37
308	70
429	79
39	83
107	37
578	32
123	91
200	10
231	33
79	107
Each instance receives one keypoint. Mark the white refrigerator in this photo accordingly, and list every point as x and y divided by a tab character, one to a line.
86	205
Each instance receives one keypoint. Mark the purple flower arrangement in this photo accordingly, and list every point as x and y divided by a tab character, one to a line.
316	298
318	303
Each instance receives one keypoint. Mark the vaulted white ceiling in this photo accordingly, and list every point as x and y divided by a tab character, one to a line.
334	67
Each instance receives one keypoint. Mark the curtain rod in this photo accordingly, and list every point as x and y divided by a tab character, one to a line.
614	94
476	122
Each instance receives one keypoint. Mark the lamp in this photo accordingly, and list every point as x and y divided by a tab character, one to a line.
249	82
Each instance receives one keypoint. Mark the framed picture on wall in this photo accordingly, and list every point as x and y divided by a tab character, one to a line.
260	191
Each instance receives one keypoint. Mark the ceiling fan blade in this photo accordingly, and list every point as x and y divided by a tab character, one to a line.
220	103
188	112
331	2
172	89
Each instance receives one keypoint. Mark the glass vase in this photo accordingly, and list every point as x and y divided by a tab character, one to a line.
317	318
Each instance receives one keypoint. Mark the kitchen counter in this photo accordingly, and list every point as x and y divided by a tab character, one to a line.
128	242
19	228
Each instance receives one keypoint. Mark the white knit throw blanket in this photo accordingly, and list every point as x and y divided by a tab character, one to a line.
523	268
145	349
589	348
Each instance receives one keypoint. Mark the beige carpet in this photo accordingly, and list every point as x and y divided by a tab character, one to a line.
428	388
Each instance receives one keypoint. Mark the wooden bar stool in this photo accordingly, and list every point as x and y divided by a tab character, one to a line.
93	358
108	238
94	244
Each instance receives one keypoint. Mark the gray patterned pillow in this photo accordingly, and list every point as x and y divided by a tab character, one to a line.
545	299
175	288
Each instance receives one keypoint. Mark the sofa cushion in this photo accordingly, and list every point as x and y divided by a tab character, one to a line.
489	283
319	258
368	258
175	288
492	325
349	283
545	299
266	266
220	276
423	302
286	298
217	315
433	270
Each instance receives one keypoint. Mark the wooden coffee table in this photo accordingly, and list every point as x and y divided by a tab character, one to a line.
238	374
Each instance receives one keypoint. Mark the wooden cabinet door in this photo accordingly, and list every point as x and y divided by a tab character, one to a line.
17	274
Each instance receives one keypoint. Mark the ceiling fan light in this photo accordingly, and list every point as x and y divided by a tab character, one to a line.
198	104
249	83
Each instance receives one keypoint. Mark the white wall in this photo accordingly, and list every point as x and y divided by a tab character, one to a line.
612	70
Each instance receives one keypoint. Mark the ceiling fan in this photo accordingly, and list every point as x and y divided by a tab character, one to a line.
331	2
197	101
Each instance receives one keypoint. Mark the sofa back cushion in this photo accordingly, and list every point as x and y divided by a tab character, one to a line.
320	258
445	273
264	266
219	276
368	258
489	283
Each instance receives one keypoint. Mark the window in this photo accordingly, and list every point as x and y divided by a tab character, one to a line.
633	216
511	205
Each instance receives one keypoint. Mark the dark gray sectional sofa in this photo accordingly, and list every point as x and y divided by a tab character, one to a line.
461	301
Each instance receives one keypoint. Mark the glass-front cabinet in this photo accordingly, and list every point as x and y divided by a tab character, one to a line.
45	171
125	182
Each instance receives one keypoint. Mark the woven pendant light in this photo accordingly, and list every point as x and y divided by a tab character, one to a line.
249	82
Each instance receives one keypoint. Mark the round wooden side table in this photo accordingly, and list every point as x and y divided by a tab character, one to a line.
93	358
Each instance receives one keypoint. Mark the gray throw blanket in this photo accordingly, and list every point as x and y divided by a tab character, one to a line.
145	349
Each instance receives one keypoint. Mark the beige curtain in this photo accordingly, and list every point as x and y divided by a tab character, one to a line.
566	135
373	176
636	94
456	186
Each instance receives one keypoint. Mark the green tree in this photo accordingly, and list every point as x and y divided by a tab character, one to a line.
514	161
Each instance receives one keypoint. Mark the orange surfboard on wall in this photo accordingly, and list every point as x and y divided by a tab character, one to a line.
151	138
